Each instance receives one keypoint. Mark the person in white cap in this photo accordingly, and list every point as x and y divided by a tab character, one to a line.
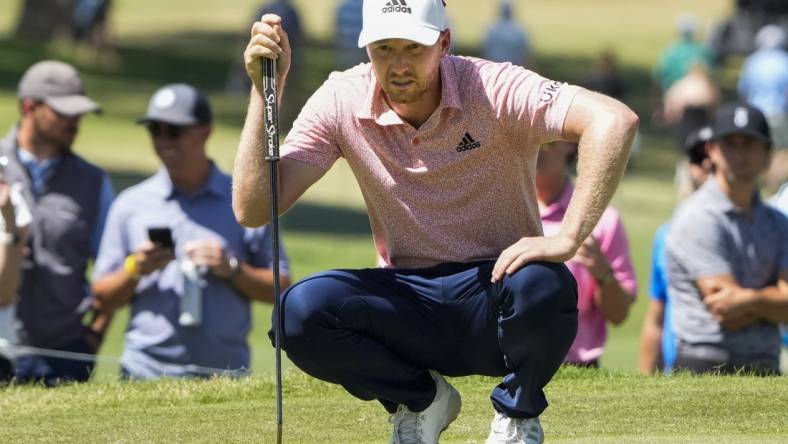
444	149
69	199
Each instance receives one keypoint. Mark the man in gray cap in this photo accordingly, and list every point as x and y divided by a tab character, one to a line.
727	256
173	250
69	200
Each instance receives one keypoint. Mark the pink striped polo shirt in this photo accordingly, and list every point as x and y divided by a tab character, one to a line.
609	233
458	189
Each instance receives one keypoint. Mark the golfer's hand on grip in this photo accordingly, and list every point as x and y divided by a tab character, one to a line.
532	249
268	40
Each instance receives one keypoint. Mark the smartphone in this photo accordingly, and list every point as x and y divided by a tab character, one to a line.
161	236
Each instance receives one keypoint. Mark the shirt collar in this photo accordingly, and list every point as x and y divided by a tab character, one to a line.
214	185
557	209
29	160
375	107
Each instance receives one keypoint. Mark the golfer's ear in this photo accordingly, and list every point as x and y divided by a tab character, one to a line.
445	42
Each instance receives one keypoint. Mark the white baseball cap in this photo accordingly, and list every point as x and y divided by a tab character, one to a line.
418	20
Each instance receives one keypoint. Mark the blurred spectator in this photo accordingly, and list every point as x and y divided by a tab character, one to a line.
291	21
764	81
606	284
727	256
237	81
69	199
605	77
736	35
680	56
777	174
657	341
689	102
347	27
14	230
506	40
780	201
695	90
190	294
91	31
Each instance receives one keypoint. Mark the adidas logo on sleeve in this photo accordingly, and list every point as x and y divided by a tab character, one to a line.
396	6
467	143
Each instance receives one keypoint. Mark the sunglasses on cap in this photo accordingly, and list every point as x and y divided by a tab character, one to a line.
158	129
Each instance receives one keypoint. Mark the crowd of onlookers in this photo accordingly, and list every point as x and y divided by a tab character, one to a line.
170	248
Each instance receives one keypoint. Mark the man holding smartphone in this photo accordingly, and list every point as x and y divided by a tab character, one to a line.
173	250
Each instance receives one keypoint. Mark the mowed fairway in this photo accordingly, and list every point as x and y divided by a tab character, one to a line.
196	41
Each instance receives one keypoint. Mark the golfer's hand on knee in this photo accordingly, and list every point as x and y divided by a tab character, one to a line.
151	257
531	249
268	40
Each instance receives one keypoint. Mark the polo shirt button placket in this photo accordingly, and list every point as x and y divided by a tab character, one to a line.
416	141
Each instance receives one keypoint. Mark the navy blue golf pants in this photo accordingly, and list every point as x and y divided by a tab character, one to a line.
376	332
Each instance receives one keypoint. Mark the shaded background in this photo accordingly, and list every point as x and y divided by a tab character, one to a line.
198	41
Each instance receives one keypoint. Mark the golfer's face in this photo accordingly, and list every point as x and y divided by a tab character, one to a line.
405	69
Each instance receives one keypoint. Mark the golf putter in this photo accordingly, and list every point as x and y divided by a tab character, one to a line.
271	113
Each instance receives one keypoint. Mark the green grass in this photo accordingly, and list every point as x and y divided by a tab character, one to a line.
586	406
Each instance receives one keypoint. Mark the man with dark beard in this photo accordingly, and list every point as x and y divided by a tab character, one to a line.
69	200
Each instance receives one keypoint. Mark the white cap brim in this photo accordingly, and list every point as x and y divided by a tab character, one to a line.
408	31
76	105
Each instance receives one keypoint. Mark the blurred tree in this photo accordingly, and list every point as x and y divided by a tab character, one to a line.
45	19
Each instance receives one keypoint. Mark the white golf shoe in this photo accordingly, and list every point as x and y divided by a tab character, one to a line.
505	430
426	426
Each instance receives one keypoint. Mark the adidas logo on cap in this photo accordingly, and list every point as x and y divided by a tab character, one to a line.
396	6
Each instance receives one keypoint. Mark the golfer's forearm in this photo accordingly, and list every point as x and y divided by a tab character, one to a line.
251	181
603	153
114	290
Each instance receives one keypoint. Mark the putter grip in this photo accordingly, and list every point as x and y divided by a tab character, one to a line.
271	111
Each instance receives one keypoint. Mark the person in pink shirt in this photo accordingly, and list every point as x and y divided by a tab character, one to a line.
606	283
444	149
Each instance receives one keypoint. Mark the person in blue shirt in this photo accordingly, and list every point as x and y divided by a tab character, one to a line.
658	342
190	296
506	40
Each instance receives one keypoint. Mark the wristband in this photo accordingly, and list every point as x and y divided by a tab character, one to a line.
130	265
